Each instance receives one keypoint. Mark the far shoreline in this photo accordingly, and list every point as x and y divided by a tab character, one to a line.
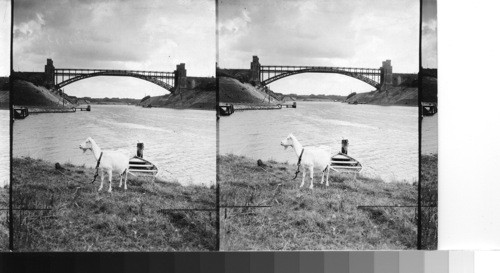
246	104
35	110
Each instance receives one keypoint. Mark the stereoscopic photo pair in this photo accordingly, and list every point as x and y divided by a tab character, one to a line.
230	125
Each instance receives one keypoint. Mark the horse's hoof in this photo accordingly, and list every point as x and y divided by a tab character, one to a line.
99	189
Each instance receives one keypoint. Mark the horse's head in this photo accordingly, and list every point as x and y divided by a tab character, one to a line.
288	141
87	144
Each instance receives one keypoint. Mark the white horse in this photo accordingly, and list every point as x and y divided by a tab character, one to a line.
309	157
109	161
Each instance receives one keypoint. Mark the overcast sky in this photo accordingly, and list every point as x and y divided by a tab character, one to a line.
429	34
4	37
115	34
359	33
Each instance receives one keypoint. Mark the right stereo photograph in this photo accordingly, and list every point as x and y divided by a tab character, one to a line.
319	125
429	125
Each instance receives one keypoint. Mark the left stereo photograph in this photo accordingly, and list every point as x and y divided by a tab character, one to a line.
114	132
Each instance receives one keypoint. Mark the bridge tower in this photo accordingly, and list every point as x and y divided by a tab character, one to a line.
386	75
49	74
255	71
180	75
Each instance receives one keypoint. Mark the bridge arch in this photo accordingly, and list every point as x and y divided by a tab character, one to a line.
355	75
118	73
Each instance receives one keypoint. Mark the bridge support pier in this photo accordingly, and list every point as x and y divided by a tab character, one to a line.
255	71
49	80
180	78
386	75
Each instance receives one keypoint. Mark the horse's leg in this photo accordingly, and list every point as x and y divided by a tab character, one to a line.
311	169
322	177
303	176
110	174
102	179
126	175
121	176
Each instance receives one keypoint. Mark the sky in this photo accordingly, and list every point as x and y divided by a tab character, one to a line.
429	34
360	33
115	34
4	38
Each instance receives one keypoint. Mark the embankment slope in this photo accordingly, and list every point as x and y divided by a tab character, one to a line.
200	93
28	94
4	93
188	99
429	89
82	219
233	91
404	92
399	95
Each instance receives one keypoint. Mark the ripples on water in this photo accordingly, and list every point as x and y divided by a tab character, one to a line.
181	143
384	139
4	148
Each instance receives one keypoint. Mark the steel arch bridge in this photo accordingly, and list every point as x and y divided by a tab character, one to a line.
271	73
65	76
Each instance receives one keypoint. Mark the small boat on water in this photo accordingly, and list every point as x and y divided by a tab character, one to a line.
226	110
20	112
428	108
141	167
343	163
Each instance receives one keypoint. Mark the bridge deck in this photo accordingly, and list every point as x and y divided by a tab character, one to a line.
78	71
295	68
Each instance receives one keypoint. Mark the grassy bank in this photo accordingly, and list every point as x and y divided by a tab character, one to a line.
82	219
322	218
4	93
429	172
32	96
233	91
187	99
398	95
4	216
4	99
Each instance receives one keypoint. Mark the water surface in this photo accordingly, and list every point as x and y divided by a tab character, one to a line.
181	143
383	138
4	148
430	134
